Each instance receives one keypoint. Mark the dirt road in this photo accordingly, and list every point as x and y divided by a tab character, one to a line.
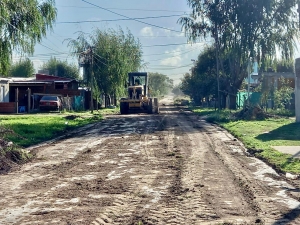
172	168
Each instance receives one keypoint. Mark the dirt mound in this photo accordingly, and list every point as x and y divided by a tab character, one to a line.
252	113
7	165
8	157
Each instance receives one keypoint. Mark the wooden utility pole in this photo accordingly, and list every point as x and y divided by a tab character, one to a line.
92	78
218	66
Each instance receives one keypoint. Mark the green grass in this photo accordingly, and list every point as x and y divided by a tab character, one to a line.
26	130
29	129
213	115
261	135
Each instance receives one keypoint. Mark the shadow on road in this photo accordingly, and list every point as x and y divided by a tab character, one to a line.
288	217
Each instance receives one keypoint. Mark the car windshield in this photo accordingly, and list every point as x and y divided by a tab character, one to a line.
51	98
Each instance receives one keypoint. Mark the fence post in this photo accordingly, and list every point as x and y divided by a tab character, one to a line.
17	99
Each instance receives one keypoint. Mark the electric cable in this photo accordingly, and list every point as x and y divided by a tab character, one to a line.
131	18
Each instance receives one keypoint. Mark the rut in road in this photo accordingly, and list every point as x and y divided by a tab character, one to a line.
171	168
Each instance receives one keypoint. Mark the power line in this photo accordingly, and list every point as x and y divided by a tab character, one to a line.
164	45
110	20
131	18
26	34
125	9
173	55
171	68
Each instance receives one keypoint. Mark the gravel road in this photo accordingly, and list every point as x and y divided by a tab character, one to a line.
171	168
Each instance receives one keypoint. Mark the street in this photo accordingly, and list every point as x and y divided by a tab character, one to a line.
171	168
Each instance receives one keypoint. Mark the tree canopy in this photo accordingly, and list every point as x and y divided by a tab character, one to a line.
160	84
244	29
23	68
23	23
114	54
61	68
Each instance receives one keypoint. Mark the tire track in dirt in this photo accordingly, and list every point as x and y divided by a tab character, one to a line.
147	187
261	193
171	168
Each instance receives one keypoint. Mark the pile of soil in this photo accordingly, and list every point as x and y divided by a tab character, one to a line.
8	157
252	113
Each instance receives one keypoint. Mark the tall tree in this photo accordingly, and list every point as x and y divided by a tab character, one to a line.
23	23
244	29
202	82
160	84
114	54
61	68
23	68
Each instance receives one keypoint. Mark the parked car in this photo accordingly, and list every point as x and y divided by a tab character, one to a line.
49	102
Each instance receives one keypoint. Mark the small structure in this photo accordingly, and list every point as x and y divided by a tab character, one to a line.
20	94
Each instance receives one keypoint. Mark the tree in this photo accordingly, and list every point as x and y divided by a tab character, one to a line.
159	84
202	82
23	68
243	29
61	68
112	54
23	23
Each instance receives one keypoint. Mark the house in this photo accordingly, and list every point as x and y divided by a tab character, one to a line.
26	92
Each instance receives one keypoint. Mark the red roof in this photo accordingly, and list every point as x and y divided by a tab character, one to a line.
44	77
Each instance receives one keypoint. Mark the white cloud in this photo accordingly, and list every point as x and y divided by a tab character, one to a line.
147	31
172	61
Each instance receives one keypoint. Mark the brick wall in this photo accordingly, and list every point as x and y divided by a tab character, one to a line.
7	107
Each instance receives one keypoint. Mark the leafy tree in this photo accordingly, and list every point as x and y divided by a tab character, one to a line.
283	95
23	68
202	82
113	54
61	68
160	84
243	29
23	23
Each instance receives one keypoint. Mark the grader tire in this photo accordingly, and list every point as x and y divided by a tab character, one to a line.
156	106
150	109
124	107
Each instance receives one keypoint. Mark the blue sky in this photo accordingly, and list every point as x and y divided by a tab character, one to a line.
165	50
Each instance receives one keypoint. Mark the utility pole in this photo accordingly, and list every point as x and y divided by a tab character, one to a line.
86	60
297	80
218	67
92	78
249	71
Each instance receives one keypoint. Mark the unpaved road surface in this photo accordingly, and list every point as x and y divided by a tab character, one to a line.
171	168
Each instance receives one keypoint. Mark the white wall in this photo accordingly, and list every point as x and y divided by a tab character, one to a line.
4	92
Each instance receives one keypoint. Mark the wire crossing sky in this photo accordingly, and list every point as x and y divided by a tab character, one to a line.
165	47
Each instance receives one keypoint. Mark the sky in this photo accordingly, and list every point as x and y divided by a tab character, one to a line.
165	47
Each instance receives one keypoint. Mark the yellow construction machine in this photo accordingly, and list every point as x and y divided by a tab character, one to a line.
138	99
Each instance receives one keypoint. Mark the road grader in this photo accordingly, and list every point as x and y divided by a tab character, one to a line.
139	99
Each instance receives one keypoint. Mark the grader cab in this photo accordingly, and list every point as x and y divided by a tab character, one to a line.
138	99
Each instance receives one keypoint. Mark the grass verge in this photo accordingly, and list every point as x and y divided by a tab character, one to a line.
260	136
21	131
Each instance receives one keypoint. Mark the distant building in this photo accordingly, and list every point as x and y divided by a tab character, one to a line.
14	90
